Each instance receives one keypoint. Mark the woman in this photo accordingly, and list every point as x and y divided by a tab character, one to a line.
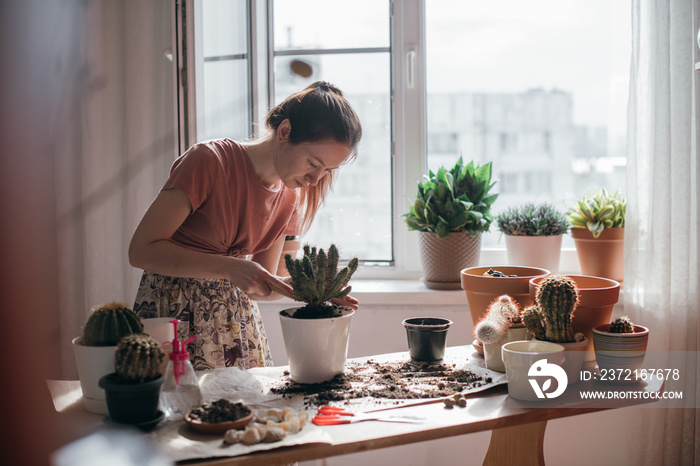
226	201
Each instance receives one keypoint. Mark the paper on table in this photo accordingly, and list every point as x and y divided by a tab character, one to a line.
177	441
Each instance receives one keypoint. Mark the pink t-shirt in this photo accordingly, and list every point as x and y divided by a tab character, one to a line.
232	212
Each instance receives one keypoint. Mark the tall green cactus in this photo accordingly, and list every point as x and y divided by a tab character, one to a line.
108	323
316	280
138	358
556	300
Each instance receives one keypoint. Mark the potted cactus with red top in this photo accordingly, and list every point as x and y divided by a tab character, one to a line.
133	389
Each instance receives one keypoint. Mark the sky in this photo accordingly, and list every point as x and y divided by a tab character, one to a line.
580	46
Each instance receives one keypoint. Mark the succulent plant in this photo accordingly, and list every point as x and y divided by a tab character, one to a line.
555	302
138	358
599	212
622	325
530	219
316	279
108	323
455	200
501	314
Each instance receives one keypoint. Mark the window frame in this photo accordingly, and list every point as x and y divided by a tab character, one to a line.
408	116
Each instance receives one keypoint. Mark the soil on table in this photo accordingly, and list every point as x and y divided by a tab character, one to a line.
385	381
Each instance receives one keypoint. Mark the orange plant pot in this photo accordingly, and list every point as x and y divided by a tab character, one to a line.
482	290
597	297
601	256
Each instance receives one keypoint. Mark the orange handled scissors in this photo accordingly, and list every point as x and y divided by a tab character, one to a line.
333	416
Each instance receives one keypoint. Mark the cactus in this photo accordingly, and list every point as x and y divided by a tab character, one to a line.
108	323
316	279
534	321
138	358
501	314
556	301
622	325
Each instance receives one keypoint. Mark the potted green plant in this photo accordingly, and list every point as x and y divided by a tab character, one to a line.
598	229
451	210
550	320
620	346
484	284
316	335
94	350
533	234
133	389
501	324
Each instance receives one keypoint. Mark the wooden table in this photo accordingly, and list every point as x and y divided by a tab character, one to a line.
517	437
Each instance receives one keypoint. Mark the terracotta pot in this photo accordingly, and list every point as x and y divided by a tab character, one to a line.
602	256
482	290
316	348
597	297
534	251
444	258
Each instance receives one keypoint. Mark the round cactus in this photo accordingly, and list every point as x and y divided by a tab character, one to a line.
138	358
491	330
622	325
108	323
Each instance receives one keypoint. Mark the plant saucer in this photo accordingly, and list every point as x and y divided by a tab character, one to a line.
217	427
143	426
478	347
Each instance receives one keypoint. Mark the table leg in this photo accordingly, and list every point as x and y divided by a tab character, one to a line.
522	445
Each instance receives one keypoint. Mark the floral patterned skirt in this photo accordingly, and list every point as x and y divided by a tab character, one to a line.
226	321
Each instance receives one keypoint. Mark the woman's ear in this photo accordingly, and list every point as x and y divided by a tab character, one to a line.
283	130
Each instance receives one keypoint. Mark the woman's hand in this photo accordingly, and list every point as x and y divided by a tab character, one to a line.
254	280
347	301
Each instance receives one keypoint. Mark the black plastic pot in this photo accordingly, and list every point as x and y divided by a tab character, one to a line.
426	337
133	404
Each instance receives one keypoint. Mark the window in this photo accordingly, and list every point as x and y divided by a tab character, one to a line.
538	88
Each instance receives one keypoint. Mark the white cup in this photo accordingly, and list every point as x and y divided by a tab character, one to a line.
159	328
531	367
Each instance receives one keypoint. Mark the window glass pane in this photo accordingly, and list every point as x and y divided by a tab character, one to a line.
225	100
323	24
539	88
357	213
222	70
225	27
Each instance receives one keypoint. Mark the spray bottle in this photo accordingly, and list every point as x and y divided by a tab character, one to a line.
180	390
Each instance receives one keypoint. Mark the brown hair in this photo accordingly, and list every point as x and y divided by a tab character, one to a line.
316	113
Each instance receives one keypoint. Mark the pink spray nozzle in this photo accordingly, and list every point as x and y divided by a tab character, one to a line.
179	354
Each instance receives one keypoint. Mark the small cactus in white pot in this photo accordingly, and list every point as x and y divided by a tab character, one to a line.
500	325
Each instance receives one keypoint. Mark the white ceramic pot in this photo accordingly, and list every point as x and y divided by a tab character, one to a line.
93	362
529	367
316	348
492	351
534	251
574	354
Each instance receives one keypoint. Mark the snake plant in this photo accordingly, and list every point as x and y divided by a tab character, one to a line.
599	212
454	200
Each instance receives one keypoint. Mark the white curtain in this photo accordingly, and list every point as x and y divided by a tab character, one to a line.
661	232
114	143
